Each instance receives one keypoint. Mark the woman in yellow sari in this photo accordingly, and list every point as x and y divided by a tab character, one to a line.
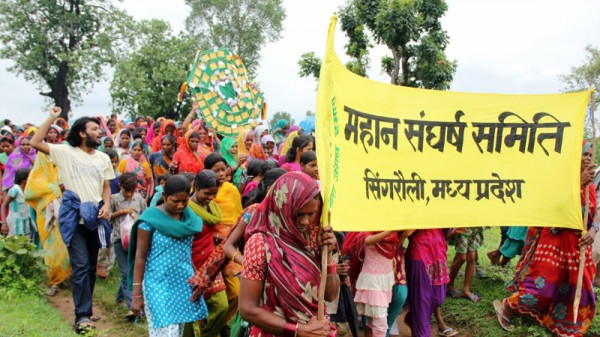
43	193
230	201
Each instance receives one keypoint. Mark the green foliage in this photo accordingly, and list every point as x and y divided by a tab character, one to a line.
310	65
358	42
586	74
147	80
22	266
61	46
583	77
243	26
410	29
280	115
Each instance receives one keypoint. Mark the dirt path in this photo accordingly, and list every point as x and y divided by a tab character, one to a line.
63	302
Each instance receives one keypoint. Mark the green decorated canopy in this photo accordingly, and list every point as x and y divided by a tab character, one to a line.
227	100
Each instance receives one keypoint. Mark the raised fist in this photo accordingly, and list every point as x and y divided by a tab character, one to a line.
55	112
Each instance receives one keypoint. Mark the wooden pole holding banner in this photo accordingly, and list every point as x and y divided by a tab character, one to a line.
582	258
324	258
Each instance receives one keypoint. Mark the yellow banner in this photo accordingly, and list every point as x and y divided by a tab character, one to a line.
394	157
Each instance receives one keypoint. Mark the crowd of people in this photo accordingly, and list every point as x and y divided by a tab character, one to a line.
225	233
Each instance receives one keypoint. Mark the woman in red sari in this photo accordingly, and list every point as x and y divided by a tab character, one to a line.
546	276
205	145
281	268
167	127
187	158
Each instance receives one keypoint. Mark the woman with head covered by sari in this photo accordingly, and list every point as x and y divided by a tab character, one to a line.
281	267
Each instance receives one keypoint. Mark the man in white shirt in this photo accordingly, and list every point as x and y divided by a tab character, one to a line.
86	172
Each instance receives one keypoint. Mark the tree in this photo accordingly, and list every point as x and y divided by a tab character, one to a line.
281	115
583	77
62	46
310	65
309	113
243	26
586	75
410	29
147	81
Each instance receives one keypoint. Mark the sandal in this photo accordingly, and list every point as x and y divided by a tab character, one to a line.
454	293
130	316
473	297
503	320
449	332
84	326
95	318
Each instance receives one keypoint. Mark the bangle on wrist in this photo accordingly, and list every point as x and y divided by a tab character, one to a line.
331	269
234	254
136	284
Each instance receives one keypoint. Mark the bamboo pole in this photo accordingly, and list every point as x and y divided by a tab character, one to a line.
582	258
324	258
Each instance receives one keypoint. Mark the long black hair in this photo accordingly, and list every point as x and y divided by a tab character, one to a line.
80	125
176	184
299	142
206	179
212	159
260	192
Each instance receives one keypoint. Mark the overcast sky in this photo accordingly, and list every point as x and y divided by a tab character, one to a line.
501	46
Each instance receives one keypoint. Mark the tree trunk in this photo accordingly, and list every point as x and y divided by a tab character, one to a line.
396	68
60	91
405	73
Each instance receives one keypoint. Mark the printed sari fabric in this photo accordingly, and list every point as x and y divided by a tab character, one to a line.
546	279
256	152
292	277
159	162
142	171
42	192
186	159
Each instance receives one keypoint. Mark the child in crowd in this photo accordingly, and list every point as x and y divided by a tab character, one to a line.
19	221
254	174
114	161
126	202
466	242
160	181
269	147
106	256
308	163
376	280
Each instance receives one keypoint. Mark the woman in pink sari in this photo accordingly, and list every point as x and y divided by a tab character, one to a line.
22	157
281	267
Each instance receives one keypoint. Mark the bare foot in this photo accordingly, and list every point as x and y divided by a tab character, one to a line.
494	257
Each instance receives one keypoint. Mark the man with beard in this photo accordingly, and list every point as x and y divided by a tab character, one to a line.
85	173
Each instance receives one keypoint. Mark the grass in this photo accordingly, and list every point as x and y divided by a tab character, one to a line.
479	319
30	315
104	296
